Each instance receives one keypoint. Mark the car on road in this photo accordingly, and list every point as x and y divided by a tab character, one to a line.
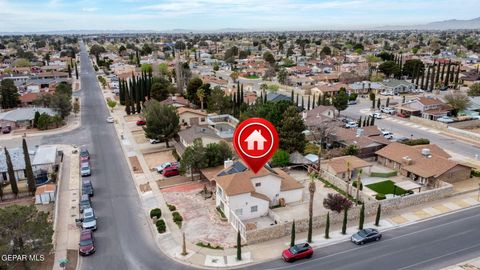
154	141
297	252
365	236
170	171
89	220
165	165
141	122
87	243
352	102
445	119
351	124
85	169
84	154
87	187
84	202
388	110
110	119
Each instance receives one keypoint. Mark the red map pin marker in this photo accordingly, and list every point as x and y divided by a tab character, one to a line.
255	141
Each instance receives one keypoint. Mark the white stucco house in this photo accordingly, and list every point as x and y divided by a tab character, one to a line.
243	195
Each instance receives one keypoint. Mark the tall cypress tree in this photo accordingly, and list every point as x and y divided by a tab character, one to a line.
422	83
241	94
11	173
28	169
443	73
437	75
239	246
377	217
457	76
344	224
291	98
308	103
76	71
292	235
69	68
427	79
447	78
313	102
327	226
359	121
296	103
303	104
432	83
319	101
362	217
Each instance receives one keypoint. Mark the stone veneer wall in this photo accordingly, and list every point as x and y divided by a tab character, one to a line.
301	225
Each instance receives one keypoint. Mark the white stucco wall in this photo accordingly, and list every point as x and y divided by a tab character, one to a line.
245	202
291	196
269	186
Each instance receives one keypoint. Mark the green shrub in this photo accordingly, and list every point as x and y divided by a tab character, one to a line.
380	196
354	184
208	245
171	207
156	212
417	141
475	173
380	174
161	227
177	216
221	212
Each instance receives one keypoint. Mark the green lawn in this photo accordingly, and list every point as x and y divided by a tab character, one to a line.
386	187
252	77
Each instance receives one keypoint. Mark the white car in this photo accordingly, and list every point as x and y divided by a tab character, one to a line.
388	110
386	134
154	141
110	119
351	124
445	119
376	115
89	220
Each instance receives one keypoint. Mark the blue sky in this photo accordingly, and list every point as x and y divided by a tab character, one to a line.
38	15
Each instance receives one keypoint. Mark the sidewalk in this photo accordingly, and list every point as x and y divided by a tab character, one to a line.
468	265
67	234
171	241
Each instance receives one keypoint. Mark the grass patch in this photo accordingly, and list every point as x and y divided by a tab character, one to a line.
330	185
276	206
387	187
252	77
381	174
201	244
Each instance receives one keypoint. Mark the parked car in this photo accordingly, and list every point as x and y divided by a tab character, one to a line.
376	115
84	202
346	119
445	119
141	122
87	187
402	115
85	169
351	124
6	129
352	102
388	110
170	171
84	154
154	141
365	236
386	134
110	119
165	165
87	243
297	252
89	220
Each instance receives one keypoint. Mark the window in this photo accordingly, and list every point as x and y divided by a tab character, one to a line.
258	184
253	209
239	212
202	119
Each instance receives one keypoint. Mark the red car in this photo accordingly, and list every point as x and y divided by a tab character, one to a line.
402	115
170	171
87	243
84	155
297	252
141	123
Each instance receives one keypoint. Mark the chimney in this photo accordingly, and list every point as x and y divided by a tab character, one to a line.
227	163
426	152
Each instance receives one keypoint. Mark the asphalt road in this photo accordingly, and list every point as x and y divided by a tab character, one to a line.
446	142
124	241
123	238
426	245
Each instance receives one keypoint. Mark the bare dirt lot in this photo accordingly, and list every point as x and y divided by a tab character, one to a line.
156	158
139	136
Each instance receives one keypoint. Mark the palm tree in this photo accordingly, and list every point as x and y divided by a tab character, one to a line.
201	96
359	183
311	188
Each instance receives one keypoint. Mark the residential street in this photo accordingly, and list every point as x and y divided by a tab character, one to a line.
432	244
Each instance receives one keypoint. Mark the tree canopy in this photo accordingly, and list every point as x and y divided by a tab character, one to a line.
291	130
340	101
162	121
9	94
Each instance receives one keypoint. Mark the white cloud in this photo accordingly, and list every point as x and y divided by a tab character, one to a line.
91	9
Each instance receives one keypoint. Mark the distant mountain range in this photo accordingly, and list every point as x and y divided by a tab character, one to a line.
441	25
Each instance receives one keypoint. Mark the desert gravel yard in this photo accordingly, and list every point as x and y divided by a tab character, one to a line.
201	221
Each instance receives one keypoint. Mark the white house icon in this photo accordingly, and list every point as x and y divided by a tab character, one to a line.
255	136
